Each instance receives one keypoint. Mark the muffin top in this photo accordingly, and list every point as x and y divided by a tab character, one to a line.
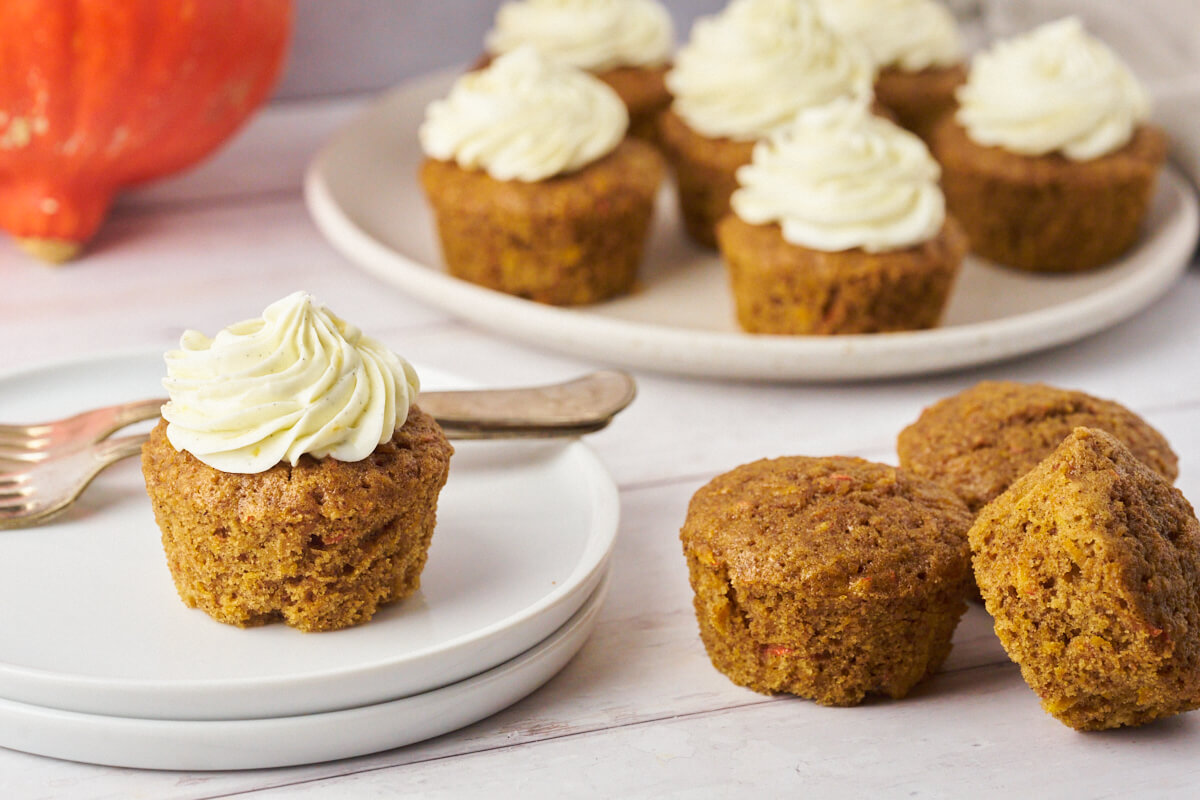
830	527
300	380
840	177
1053	90
979	441
594	35
749	69
525	117
911	35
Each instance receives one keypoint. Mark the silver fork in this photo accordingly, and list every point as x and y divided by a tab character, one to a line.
45	467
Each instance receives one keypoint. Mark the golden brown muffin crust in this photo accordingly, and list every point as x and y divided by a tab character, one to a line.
919	99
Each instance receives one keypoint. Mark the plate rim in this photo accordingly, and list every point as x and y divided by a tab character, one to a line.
52	689
780	358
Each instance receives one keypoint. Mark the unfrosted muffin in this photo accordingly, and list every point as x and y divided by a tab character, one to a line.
977	442
745	73
839	227
290	476
917	50
625	43
1089	565
535	189
1048	163
829	578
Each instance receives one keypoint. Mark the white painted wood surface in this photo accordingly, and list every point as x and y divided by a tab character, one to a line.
639	712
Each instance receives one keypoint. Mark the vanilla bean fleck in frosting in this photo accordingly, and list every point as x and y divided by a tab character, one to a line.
1054	89
595	35
840	177
525	117
299	380
910	34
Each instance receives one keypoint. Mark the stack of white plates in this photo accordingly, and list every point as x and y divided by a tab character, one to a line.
101	662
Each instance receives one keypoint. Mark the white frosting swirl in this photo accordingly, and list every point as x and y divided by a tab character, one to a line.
1055	89
525	118
749	69
840	177
299	380
595	35
910	34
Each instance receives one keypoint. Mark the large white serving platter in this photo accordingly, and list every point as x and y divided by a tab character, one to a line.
363	193
91	621
286	741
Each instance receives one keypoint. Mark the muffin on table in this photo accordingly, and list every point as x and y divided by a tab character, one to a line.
839	227
977	442
1049	163
746	72
828	578
917	48
1089	565
625	43
535	187
291	475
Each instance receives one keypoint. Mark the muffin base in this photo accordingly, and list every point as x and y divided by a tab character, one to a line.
1048	213
567	240
645	94
319	546
780	288
919	99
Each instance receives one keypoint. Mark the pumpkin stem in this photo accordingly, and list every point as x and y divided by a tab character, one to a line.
52	251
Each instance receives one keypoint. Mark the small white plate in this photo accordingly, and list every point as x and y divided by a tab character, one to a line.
286	741
363	193
92	622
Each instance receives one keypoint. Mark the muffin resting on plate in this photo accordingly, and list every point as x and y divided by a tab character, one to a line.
535	188
1039	182
1089	565
625	43
291	477
839	227
829	578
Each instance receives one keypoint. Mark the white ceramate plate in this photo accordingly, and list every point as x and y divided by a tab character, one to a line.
362	190
286	741
92	623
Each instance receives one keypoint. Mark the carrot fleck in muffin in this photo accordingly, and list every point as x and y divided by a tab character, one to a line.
1048	162
1089	565
536	190
291	476
745	73
839	227
829	578
625	43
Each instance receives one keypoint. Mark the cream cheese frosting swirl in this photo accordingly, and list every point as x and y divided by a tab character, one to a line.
840	177
749	69
525	117
595	35
299	380
910	34
1054	89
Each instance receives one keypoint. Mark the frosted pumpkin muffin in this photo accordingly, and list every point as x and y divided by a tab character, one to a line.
536	190
625	43
745	73
917	49
1089	565
829	578
839	227
291	476
1048	163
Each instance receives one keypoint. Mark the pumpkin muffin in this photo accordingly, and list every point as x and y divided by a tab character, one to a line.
839	227
625	43
1042	185
535	189
1089	565
828	578
977	442
290	476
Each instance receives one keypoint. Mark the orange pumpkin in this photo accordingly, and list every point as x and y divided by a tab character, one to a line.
97	95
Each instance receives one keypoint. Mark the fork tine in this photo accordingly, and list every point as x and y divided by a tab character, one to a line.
15	493
16	434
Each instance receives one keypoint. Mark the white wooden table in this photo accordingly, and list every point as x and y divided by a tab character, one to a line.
639	711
